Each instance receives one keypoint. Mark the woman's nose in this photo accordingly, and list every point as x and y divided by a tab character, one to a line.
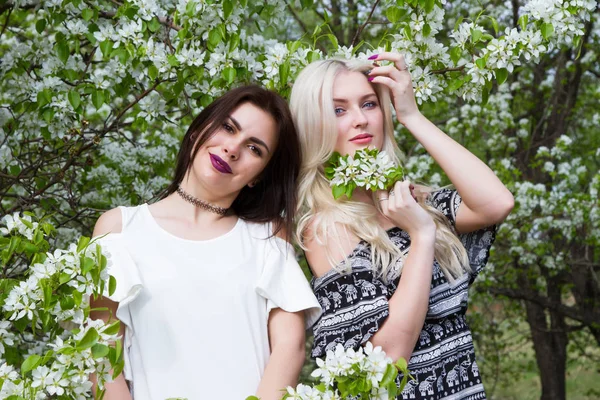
359	118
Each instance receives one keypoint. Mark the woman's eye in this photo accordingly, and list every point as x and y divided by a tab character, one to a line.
370	104
255	149
227	127
338	110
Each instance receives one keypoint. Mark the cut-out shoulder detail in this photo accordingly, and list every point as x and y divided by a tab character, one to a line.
109	222
340	247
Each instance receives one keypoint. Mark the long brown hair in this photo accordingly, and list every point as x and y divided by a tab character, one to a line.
273	198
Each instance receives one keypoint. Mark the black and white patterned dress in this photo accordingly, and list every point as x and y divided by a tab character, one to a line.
355	305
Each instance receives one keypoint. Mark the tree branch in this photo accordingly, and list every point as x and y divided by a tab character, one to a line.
357	35
571	312
296	17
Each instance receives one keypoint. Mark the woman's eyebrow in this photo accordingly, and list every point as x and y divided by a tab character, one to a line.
253	139
260	143
235	122
366	96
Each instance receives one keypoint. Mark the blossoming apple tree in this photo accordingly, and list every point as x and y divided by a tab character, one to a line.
95	95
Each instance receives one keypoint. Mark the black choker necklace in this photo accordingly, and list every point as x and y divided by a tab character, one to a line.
201	203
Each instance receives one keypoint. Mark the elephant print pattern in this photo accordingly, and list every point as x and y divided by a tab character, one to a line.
355	305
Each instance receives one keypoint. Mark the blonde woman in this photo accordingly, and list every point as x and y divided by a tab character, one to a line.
393	267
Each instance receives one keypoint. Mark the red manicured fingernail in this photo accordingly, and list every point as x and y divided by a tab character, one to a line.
373	57
370	78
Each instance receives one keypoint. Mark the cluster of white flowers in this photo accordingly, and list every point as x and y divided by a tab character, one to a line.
367	168
71	361
566	17
370	362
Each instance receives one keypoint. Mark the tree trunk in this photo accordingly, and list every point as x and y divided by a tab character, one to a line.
549	342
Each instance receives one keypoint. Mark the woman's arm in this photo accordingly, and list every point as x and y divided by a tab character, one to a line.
287	341
486	201
109	222
408	306
118	389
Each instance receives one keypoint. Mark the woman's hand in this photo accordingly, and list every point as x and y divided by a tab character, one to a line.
397	78
400	207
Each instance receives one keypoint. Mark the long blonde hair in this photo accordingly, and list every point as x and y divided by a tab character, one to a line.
313	112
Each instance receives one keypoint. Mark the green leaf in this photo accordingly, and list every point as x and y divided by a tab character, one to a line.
408	32
173	61
481	62
30	363
99	350
74	99
501	75
154	25
205	100
82	243
106	47
459	21
393	14
284	73
40	25
112	285
333	40
402	364
62	51
455	84
338	191
523	20
214	37
64	278
97	98
234	41
67	303
152	72
485	96
88	340
113	328
117	369
455	54
47	290
87	264
494	24
87	14
476	35
426	29
428	5
306	3
227	8
44	97
547	30
229	74
77	297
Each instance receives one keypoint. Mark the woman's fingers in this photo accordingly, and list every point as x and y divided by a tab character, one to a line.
396	58
400	194
383	197
387	70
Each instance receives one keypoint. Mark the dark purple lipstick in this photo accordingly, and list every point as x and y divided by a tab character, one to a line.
220	164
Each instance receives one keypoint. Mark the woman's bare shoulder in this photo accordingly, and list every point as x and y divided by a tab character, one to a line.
109	222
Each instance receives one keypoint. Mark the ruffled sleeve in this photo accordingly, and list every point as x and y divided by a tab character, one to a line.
354	306
477	243
283	283
129	285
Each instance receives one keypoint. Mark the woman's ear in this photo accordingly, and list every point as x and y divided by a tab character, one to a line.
254	183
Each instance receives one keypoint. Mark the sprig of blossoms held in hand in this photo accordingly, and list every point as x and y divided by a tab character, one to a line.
367	168
346	373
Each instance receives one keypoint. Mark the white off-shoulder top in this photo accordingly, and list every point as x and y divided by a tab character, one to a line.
196	312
